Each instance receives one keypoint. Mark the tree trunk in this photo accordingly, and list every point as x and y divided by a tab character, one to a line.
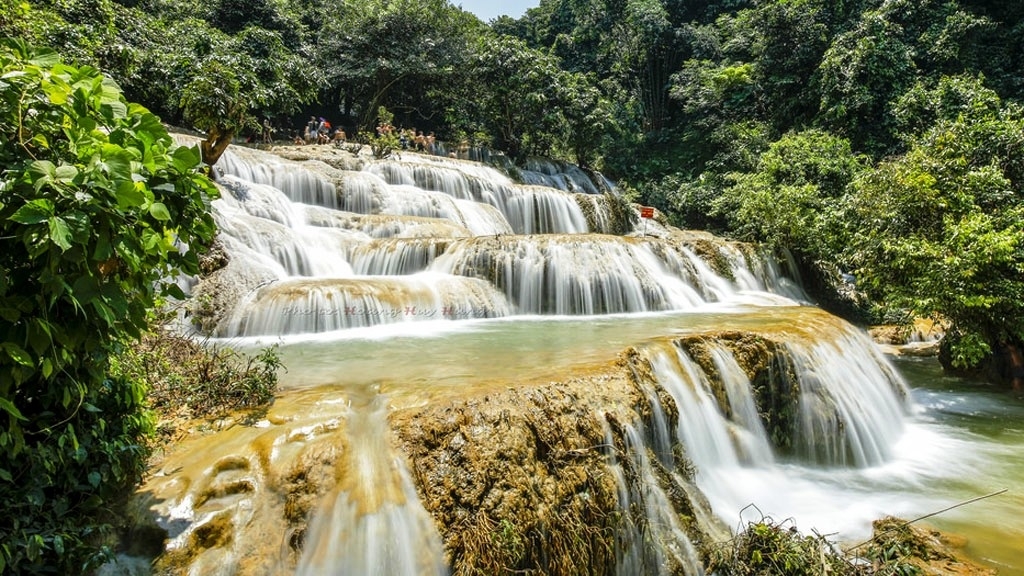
213	147
1010	364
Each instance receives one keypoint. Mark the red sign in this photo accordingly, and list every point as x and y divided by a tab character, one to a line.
646	212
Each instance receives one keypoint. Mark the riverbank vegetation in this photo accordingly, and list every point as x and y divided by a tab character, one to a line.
99	211
97	203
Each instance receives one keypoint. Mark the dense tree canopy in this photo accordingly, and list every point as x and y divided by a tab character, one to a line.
772	121
940	229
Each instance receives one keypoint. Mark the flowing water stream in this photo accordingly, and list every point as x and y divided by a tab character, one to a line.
413	282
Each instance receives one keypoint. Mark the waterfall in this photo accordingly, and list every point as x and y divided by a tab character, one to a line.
527	209
571	275
543	172
373	523
299	185
850	412
852	404
301	306
753	445
701	427
438	277
397	256
454	219
651	539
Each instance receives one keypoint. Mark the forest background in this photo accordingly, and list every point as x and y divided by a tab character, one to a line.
880	141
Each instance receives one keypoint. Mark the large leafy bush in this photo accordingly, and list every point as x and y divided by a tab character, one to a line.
99	210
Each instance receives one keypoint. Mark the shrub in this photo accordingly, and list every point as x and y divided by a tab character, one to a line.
195	380
97	203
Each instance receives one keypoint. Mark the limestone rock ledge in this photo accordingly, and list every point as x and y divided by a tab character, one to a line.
518	480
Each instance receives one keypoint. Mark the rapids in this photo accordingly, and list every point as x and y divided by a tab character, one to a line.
432	313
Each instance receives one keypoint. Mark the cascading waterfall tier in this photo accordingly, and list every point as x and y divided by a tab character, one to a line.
304	306
363	240
818	393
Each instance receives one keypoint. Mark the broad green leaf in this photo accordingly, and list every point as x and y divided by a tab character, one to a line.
60	234
34	212
56	93
174	291
102	251
130	195
7	406
87	124
10	314
114	109
185	159
159	211
104	312
17	353
42	141
43	172
66	172
117	162
44	58
86	289
41	168
114	298
79	224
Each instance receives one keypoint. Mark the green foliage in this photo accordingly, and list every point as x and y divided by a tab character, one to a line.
520	103
192	380
952	97
791	200
768	548
252	73
264	15
940	230
894	545
384	140
588	117
407	55
861	72
869	67
97	205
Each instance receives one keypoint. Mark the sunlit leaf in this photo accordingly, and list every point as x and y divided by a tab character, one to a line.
34	212
159	211
59	232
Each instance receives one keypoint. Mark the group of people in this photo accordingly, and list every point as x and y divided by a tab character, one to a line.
413	139
319	131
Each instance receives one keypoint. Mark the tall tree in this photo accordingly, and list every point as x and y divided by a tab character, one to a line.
520	95
225	90
393	53
869	67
